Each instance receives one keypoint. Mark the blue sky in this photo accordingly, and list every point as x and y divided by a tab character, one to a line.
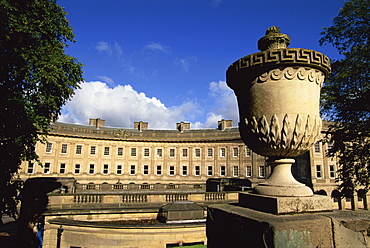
164	61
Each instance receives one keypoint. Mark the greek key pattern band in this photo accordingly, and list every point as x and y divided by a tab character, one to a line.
284	56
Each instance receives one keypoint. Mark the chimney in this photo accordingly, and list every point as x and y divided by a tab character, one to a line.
140	125
223	124
183	126
96	122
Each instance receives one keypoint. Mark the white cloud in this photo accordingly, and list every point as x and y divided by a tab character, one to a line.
109	48
225	104
156	46
185	63
121	106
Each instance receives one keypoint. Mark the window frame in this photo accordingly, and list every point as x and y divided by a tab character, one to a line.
77	169
62	168
119	168
31	166
235	152
184	170
64	149
222	152
105	170
47	168
145	169
106	150
172	153
133	152
49	147
197	152
132	169
262	171
248	171
92	150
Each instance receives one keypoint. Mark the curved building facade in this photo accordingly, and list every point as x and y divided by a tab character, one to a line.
96	154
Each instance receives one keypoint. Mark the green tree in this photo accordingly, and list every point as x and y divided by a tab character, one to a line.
36	79
346	94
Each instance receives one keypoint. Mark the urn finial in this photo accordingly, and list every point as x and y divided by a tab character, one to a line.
273	39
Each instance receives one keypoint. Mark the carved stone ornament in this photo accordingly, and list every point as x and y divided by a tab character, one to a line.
278	93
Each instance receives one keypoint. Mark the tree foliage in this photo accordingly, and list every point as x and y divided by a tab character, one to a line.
346	94
36	79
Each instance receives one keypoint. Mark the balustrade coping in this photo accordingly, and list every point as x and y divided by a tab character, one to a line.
67	222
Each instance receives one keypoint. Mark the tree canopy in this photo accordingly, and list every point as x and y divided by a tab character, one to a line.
346	94
36	79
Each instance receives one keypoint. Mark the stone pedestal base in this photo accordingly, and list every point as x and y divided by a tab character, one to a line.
285	205
235	226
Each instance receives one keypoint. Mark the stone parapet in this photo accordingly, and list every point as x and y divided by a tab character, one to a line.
235	226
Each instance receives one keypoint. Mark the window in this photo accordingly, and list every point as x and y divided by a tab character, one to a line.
146	152
92	169
146	170
209	170
235	152
77	168
222	170
159	170
62	168
159	152
132	170
30	168
64	148
184	153
261	171
49	147
133	152
248	152
105	169
197	153
222	152
119	151
172	153
330	145
248	171
184	170
172	170
78	149
47	168
210	152
93	150
197	170
236	171
318	171
317	147
332	171
106	151
119	169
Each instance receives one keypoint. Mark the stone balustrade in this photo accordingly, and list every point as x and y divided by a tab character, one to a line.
101	200
95	188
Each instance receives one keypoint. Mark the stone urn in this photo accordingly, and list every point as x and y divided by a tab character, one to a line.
278	93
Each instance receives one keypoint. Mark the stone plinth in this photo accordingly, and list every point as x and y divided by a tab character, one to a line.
285	205
236	226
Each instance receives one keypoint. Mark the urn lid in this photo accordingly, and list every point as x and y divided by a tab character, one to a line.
273	39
